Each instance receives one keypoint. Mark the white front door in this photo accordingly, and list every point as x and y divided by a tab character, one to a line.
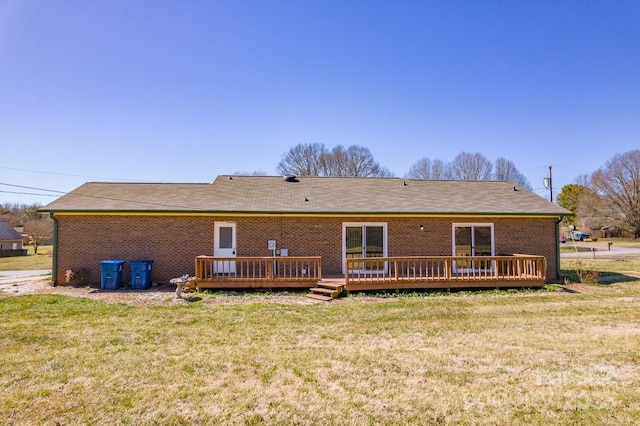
225	246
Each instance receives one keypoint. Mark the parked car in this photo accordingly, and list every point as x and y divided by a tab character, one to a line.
563	238
579	236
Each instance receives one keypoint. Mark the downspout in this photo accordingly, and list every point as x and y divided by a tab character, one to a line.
558	247
54	270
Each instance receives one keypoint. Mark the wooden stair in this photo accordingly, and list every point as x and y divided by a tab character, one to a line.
325	291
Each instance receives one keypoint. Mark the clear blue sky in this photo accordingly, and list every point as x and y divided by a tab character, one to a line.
183	91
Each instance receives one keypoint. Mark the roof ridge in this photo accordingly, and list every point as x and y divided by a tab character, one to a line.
148	183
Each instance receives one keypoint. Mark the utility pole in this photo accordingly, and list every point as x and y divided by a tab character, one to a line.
548	183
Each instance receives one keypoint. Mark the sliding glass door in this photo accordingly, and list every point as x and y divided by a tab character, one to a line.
473	240
363	241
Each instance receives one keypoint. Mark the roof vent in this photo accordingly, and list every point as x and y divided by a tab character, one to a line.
291	178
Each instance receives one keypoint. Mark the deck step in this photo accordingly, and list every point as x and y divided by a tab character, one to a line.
331	285
326	291
330	291
319	297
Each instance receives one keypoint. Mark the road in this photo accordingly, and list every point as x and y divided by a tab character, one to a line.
600	251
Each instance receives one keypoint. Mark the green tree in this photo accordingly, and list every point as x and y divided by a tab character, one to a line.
569	196
31	213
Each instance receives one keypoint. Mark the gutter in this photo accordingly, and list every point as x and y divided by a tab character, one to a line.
295	213
54	266
558	247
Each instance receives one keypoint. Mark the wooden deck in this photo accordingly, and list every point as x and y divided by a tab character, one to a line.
382	273
257	272
445	272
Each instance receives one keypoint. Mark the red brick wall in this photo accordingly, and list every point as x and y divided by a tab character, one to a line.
173	242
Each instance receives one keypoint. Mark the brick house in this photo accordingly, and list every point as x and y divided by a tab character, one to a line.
11	242
334	218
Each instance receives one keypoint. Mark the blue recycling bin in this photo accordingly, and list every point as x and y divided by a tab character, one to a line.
140	274
111	274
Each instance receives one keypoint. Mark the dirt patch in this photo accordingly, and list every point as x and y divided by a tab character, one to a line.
162	295
585	288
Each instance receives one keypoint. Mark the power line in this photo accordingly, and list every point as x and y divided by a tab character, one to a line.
64	174
144	203
31	187
28	193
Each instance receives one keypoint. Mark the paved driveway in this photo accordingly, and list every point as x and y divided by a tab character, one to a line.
7	277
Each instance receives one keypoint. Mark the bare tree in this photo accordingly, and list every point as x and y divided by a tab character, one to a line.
384	172
506	170
316	160
336	162
39	231
428	169
618	182
355	161
303	160
591	211
254	173
467	166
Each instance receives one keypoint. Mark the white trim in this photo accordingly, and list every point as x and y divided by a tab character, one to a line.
385	237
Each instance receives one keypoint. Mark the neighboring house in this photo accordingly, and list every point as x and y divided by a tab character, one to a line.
10	241
613	231
333	218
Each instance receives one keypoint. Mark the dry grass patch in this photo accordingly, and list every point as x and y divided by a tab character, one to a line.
535	358
603	270
42	260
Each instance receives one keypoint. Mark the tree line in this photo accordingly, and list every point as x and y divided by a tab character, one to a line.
315	159
38	226
608	197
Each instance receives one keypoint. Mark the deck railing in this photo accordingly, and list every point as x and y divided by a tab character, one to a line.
516	269
258	269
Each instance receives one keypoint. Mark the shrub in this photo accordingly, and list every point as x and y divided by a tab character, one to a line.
588	276
76	277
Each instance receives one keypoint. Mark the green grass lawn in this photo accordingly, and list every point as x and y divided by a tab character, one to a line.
528	358
42	260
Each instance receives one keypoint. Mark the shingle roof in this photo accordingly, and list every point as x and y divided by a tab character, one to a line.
8	233
273	194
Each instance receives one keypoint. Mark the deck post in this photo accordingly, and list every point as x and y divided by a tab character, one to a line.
270	270
395	269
